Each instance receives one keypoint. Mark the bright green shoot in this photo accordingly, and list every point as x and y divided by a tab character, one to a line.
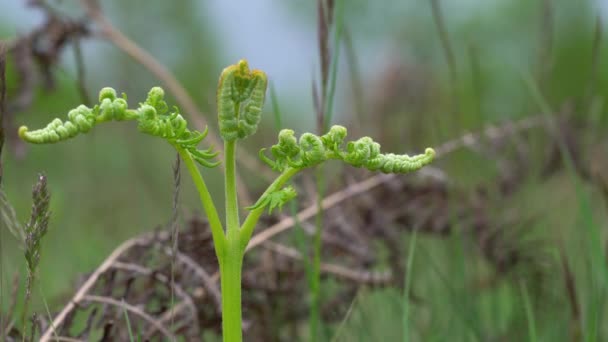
240	97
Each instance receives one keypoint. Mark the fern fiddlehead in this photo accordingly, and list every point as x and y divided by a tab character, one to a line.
153	118
240	98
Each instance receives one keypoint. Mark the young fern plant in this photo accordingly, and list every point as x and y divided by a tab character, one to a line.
240	95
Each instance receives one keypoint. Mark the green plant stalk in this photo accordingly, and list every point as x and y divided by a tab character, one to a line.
232	261
532	337
236	243
26	303
217	231
315	279
230	279
408	287
232	206
253	217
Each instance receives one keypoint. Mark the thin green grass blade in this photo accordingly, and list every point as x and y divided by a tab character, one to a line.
276	110
340	328
48	313
408	284
124	309
334	64
532	336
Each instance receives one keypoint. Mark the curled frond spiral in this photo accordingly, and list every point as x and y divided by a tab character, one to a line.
284	151
240	98
364	152
155	119
80	120
152	117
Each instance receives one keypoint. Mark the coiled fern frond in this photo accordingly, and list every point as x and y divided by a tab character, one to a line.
311	150
153	117
240	98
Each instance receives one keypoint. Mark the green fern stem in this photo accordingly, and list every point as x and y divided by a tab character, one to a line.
254	215
217	231
232	259
235	244
232	206
230	279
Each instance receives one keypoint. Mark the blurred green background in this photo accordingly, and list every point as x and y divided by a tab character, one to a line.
112	184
